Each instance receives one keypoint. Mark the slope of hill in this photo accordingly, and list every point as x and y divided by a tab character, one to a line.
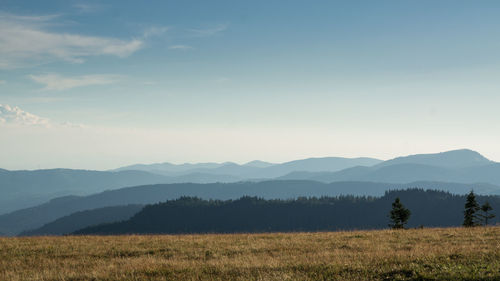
404	173
250	214
461	166
81	219
22	189
259	164
450	159
315	165
170	168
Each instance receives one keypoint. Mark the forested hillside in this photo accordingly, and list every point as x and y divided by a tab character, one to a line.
251	214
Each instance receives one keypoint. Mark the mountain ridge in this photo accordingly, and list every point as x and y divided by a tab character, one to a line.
256	167
34	217
24	188
458	158
406	172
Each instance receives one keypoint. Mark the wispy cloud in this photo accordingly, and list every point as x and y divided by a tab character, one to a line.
180	47
58	82
87	8
155	31
26	40
2	82
209	31
14	116
27	19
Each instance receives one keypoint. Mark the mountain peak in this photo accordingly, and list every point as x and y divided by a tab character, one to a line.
258	164
459	158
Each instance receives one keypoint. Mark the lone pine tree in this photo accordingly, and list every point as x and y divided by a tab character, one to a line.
399	215
471	207
486	215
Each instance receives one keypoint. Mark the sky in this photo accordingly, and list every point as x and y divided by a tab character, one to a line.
103	84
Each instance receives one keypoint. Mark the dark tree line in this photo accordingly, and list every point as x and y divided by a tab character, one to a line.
252	214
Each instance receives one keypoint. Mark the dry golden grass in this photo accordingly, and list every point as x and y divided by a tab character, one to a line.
420	254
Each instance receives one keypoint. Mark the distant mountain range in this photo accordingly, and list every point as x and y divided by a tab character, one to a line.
35	217
22	189
460	166
254	169
25	196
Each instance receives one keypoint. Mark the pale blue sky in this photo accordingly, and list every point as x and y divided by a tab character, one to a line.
104	84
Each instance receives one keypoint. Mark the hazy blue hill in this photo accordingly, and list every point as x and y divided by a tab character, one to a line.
235	170
31	218
197	177
354	173
82	219
449	159
489	174
299	175
169	168
259	164
401	173
404	173
316	165
458	166
251	214
433	180
327	164
457	188
21	189
257	169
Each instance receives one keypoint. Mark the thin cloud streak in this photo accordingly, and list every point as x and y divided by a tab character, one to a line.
87	8
208	32
180	47
24	41
155	31
27	19
56	82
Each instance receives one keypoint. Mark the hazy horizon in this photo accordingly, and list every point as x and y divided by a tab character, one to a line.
236	162
100	85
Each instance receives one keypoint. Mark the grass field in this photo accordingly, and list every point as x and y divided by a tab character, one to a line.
419	254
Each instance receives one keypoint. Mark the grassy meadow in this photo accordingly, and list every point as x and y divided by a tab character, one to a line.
417	254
